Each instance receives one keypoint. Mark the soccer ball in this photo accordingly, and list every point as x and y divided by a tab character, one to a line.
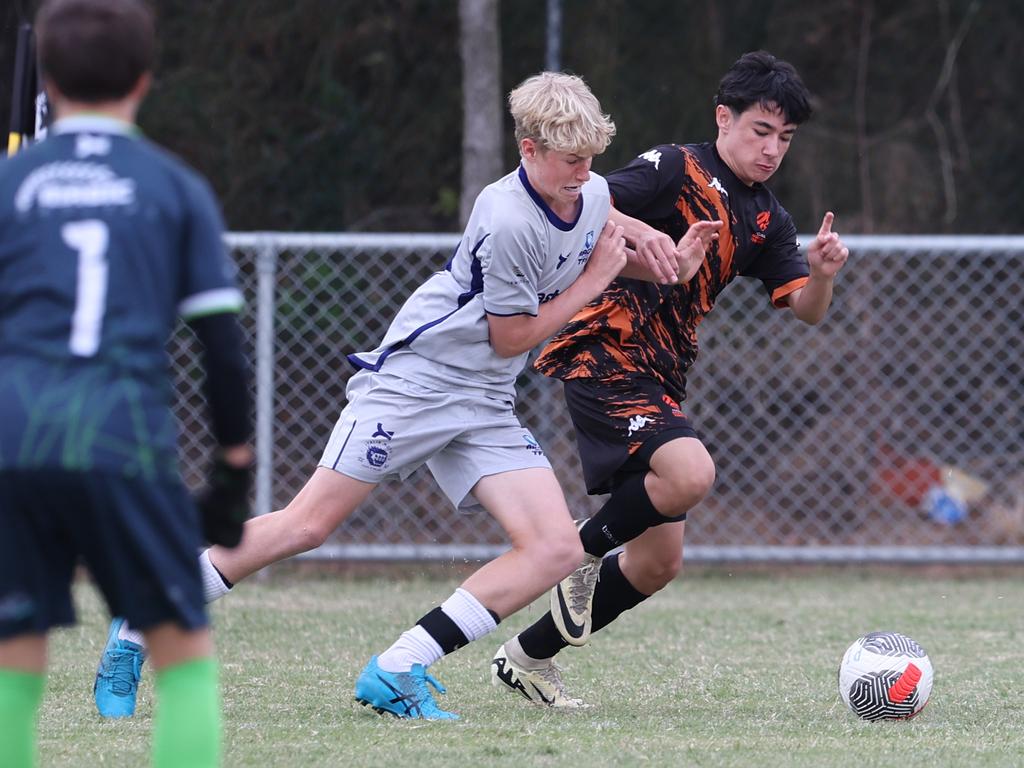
885	676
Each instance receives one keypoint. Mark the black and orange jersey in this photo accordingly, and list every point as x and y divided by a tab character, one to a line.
638	327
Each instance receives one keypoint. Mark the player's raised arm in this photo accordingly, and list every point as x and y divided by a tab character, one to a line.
826	255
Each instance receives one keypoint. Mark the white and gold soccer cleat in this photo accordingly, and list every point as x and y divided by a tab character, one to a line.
572	601
542	686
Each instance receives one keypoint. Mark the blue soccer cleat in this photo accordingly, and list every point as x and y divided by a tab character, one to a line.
117	679
402	694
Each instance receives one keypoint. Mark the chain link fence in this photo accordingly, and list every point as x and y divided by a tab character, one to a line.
891	431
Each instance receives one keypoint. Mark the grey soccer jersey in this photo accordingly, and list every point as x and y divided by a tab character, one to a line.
515	255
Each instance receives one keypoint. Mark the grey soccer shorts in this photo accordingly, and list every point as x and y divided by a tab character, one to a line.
392	426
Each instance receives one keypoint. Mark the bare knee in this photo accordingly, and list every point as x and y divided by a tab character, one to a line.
680	490
649	575
556	556
305	530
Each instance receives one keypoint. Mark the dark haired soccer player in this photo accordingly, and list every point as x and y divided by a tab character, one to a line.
624	358
104	240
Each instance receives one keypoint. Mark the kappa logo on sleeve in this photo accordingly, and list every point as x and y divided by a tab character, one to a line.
652	156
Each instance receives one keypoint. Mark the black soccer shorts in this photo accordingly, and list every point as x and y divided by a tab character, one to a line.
620	424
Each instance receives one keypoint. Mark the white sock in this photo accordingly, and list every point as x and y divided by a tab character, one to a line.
214	587
131	635
469	615
415	646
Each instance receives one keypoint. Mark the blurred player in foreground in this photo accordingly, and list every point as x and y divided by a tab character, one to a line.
104	240
624	358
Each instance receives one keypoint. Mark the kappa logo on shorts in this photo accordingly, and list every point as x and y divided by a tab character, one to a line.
533	446
636	423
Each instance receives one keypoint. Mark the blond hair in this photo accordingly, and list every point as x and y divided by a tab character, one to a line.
560	112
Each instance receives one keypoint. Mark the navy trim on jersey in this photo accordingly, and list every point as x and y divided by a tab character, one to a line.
448	266
334	466
556	222
476	287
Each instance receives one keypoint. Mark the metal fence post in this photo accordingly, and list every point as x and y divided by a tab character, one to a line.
266	268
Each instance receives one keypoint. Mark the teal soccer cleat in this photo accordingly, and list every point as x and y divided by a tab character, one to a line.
402	694
117	679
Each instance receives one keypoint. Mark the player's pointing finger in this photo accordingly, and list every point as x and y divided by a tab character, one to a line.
826	224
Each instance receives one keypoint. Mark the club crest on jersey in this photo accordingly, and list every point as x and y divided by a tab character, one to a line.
763	219
73	184
532	445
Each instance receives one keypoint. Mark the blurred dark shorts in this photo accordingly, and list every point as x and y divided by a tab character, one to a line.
138	538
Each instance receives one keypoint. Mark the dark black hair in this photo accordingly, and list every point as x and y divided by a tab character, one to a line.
760	78
95	50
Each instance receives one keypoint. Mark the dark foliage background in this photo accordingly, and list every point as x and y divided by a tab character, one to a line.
346	114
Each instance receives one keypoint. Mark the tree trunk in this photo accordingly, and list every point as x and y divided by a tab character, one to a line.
482	136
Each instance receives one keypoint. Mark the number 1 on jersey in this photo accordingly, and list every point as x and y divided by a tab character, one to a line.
89	239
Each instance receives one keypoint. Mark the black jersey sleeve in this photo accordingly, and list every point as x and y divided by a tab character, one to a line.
780	261
227	376
648	187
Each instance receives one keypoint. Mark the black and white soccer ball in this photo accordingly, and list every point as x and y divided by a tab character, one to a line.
885	676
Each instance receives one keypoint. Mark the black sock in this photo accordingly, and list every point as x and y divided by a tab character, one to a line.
446	633
627	513
613	596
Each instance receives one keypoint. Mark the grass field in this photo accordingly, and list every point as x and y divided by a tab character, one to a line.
721	669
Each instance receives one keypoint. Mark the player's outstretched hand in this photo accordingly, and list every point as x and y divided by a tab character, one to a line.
608	257
224	504
693	246
656	251
826	254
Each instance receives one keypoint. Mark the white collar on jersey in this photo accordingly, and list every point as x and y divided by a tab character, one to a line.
92	123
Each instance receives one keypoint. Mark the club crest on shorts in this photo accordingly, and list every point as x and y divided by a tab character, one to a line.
532	445
377	452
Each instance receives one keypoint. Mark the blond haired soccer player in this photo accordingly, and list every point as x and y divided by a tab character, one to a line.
440	390
624	359
105	240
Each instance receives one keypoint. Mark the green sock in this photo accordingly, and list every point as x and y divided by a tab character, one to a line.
20	694
186	727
